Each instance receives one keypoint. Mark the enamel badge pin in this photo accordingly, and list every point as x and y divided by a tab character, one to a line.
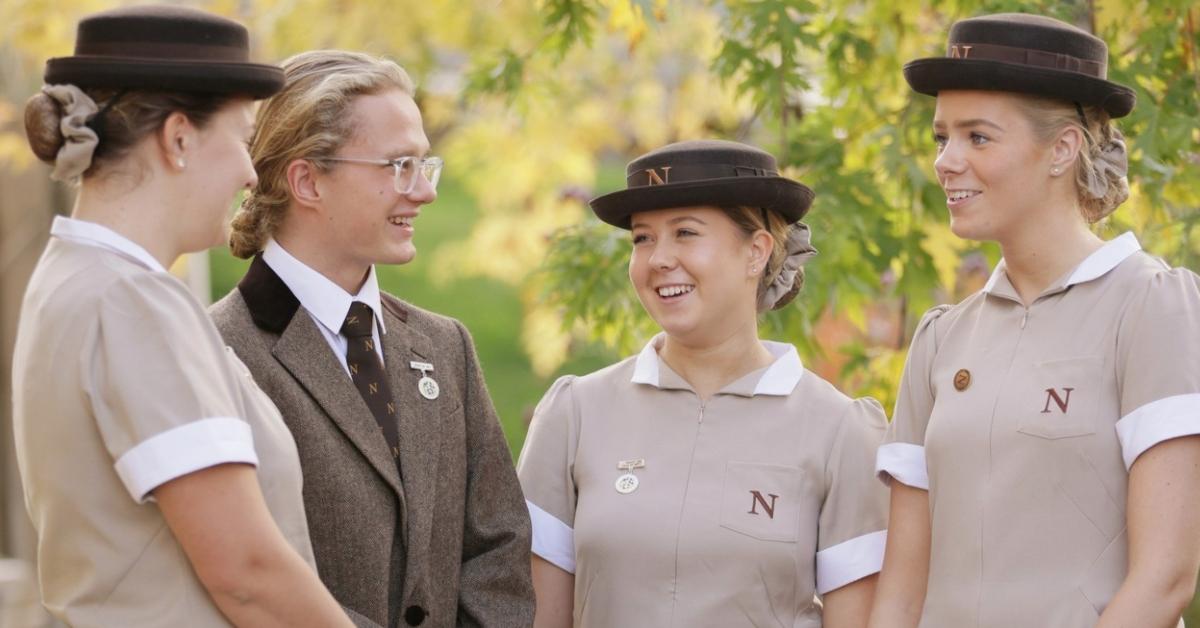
427	386
628	482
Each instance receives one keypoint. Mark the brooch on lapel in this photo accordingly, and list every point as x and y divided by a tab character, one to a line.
427	386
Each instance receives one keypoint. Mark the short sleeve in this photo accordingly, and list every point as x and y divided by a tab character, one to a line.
162	386
852	528
1158	364
546	470
902	455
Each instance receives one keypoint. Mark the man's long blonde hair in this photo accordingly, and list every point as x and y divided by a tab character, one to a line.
309	119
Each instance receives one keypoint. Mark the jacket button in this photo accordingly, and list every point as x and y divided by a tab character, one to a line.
414	615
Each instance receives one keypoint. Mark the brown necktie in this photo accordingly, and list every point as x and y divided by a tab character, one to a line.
366	370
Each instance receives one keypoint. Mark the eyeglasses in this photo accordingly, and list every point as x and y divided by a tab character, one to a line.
407	169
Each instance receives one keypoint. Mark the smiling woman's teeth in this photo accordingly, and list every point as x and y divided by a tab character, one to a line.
670	291
959	195
400	221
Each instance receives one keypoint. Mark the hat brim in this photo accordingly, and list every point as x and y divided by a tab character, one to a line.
930	76
248	79
783	196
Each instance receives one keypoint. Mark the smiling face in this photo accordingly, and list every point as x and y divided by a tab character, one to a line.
995	173
368	221
691	268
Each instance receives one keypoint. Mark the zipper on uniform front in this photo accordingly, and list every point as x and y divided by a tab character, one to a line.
683	507
1024	318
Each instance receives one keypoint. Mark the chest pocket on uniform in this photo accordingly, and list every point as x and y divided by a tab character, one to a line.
1059	398
762	500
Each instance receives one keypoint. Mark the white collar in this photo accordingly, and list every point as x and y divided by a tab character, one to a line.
325	300
1105	258
778	379
1094	266
97	235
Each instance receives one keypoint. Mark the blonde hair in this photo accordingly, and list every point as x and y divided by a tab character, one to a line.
309	119
1049	117
750	220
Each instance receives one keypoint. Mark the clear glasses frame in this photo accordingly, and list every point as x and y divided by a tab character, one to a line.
407	169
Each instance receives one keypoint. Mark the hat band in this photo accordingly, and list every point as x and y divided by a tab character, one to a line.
164	51
1028	56
662	175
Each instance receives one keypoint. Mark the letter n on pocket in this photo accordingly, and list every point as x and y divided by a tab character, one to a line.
1058	398
762	500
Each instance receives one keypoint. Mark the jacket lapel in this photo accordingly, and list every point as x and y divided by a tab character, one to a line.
420	433
306	354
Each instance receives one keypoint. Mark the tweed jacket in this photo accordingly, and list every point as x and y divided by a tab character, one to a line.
444	540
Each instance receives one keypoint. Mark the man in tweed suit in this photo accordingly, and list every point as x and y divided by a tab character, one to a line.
414	509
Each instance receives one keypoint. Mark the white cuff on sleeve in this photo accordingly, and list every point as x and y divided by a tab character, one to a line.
182	450
851	560
553	540
904	462
1158	421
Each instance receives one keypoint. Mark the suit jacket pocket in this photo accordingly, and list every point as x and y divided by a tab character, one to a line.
762	500
1059	398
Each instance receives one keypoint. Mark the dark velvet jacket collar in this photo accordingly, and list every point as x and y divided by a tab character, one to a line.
272	304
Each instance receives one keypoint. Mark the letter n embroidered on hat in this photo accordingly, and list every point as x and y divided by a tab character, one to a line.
653	178
960	51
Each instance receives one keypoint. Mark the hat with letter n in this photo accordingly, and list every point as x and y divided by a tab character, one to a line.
703	172
1028	54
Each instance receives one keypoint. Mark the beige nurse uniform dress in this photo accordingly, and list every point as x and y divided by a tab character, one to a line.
121	384
670	511
1023	422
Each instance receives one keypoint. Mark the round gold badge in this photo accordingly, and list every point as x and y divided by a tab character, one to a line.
962	379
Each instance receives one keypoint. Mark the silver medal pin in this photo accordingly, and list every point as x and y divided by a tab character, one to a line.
427	386
628	482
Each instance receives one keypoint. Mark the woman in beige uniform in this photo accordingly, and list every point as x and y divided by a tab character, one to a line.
163	485
710	480
1043	457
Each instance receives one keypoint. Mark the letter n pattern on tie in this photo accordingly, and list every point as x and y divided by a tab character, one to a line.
366	370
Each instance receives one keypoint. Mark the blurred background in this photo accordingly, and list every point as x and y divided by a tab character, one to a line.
536	105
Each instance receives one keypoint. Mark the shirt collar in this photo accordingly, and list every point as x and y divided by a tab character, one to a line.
777	379
1105	258
1094	266
97	235
325	300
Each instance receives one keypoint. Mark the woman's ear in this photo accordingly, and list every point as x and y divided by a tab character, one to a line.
176	139
1066	149
761	245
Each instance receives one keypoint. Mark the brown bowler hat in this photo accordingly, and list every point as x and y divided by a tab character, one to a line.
168	48
703	172
1030	54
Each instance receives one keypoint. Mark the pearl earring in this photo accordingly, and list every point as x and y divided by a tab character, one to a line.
181	164
1054	171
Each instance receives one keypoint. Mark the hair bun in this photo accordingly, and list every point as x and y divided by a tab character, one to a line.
790	295
790	276
43	126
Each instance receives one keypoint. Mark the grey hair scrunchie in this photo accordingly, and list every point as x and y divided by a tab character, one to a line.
79	141
799	250
1110	161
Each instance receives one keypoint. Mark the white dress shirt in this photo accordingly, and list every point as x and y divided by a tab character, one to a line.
324	300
